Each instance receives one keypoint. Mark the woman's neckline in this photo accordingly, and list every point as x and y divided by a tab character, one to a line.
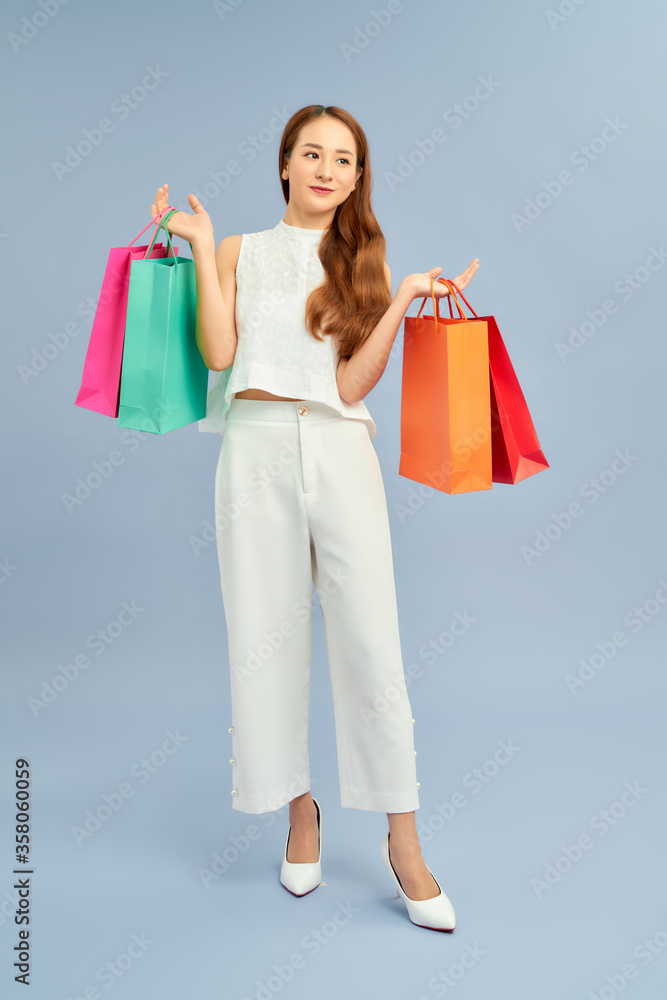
298	232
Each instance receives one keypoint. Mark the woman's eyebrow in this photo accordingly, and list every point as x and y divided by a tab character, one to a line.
317	146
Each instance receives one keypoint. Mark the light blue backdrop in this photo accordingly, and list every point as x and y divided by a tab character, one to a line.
551	170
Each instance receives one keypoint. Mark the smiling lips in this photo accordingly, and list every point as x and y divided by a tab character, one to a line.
321	190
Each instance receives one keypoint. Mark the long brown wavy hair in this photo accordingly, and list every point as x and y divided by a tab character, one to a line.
354	296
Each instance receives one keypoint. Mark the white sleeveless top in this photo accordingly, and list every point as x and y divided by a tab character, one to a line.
276	271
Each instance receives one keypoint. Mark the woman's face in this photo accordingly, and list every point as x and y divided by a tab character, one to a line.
324	156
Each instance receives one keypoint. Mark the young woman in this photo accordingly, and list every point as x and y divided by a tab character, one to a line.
297	322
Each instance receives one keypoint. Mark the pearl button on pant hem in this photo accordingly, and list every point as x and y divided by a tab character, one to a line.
299	498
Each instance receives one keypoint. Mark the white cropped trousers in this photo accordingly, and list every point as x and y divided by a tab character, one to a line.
299	498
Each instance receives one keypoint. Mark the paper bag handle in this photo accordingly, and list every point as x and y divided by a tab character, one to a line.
451	283
436	309
157	218
162	223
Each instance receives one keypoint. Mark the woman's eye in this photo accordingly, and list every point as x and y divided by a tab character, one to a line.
313	153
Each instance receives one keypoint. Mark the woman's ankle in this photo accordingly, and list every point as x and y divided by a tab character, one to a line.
302	807
404	842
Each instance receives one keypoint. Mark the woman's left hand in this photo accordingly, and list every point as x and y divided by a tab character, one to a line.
420	284
464	278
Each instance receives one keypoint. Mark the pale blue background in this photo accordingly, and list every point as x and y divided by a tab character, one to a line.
505	678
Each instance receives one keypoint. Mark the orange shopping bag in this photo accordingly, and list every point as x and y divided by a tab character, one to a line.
446	401
514	444
515	447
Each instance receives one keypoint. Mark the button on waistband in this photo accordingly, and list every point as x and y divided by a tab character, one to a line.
303	410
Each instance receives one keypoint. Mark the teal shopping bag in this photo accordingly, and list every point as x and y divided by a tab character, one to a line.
164	379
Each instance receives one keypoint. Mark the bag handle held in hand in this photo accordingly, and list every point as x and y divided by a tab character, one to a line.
162	223
436	302
451	283
436	309
157	218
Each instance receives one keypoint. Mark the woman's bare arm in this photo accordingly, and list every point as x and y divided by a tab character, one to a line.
215	326
356	376
215	276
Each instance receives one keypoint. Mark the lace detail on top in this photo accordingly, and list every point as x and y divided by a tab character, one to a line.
276	271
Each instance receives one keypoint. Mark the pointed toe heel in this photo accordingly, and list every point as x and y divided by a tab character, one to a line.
302	878
436	914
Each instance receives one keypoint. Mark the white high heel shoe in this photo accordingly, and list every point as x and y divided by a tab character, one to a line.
436	913
302	877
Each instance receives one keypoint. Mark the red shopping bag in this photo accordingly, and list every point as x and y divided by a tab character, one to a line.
100	383
515	448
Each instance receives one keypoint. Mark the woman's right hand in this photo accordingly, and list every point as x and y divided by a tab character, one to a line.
196	228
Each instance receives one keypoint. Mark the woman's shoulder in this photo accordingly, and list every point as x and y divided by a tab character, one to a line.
232	244
227	253
231	248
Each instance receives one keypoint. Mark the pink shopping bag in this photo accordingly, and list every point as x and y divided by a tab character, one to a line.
100	383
